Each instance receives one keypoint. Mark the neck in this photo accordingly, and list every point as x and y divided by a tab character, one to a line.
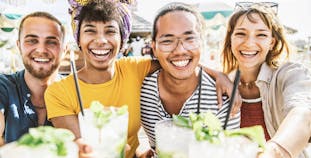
37	86
178	86
93	76
249	75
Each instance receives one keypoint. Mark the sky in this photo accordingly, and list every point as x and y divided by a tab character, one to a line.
292	13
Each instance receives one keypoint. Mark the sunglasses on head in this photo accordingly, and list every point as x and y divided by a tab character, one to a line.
267	5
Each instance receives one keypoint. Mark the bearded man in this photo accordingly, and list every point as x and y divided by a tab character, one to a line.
41	45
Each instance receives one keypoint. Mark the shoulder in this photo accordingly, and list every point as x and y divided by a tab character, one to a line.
133	60
151	79
62	83
293	68
292	71
150	87
15	78
208	82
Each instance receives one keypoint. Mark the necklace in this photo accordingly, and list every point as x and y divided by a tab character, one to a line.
248	85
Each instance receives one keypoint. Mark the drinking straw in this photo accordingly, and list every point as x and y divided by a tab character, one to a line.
74	71
235	85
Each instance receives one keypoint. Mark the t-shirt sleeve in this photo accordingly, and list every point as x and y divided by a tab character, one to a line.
140	65
57	100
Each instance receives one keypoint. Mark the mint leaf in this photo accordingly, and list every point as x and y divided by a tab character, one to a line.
53	138
122	110
254	133
181	121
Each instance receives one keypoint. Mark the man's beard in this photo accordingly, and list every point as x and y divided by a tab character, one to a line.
41	73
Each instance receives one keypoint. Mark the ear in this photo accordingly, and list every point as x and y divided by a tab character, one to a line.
18	44
153	46
64	50
273	41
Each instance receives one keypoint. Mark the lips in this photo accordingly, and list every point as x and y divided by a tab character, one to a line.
41	60
100	53
248	53
181	63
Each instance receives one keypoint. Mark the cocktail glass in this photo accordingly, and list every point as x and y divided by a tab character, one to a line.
172	141
108	140
238	147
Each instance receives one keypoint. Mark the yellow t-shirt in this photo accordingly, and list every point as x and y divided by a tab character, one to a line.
124	88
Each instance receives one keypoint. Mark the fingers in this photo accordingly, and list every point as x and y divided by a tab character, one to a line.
127	148
219	97
147	154
236	104
85	150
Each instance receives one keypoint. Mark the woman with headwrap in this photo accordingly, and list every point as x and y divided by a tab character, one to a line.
101	27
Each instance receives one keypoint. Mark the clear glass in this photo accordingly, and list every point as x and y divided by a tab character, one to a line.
108	141
172	141
168	44
13	150
238	146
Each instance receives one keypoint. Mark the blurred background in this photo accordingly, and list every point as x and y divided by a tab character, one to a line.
293	14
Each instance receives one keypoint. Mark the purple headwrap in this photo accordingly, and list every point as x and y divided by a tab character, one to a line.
122	7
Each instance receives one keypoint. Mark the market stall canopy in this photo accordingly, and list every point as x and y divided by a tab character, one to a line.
140	26
215	13
8	22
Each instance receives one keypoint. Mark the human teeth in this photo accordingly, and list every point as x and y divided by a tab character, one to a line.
181	63
41	59
249	52
100	52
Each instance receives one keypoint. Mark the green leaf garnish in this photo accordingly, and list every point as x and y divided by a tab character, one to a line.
181	121
101	116
54	138
206	126
255	133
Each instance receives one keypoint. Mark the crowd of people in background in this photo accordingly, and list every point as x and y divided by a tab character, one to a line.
136	46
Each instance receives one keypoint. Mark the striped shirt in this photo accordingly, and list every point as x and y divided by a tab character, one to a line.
152	109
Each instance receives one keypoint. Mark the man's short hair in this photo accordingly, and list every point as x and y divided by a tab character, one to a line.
41	15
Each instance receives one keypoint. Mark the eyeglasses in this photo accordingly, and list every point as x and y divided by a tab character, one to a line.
168	44
267	5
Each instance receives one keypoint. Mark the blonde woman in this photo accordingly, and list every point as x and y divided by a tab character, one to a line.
275	95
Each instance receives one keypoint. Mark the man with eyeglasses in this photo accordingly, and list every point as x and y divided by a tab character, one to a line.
40	42
180	86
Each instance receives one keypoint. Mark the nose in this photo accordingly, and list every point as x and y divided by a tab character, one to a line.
101	39
41	47
179	47
250	41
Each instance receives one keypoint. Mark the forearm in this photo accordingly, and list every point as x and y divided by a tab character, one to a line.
295	131
69	122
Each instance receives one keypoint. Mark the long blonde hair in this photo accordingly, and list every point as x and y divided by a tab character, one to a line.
270	19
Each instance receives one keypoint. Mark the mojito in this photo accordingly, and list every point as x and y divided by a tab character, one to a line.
239	146
43	141
172	141
105	129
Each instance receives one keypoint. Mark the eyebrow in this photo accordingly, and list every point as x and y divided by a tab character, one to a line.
172	35
91	25
31	36
35	36
261	30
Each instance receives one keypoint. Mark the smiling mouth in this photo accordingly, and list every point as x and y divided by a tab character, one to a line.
100	53
41	60
249	53
181	63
